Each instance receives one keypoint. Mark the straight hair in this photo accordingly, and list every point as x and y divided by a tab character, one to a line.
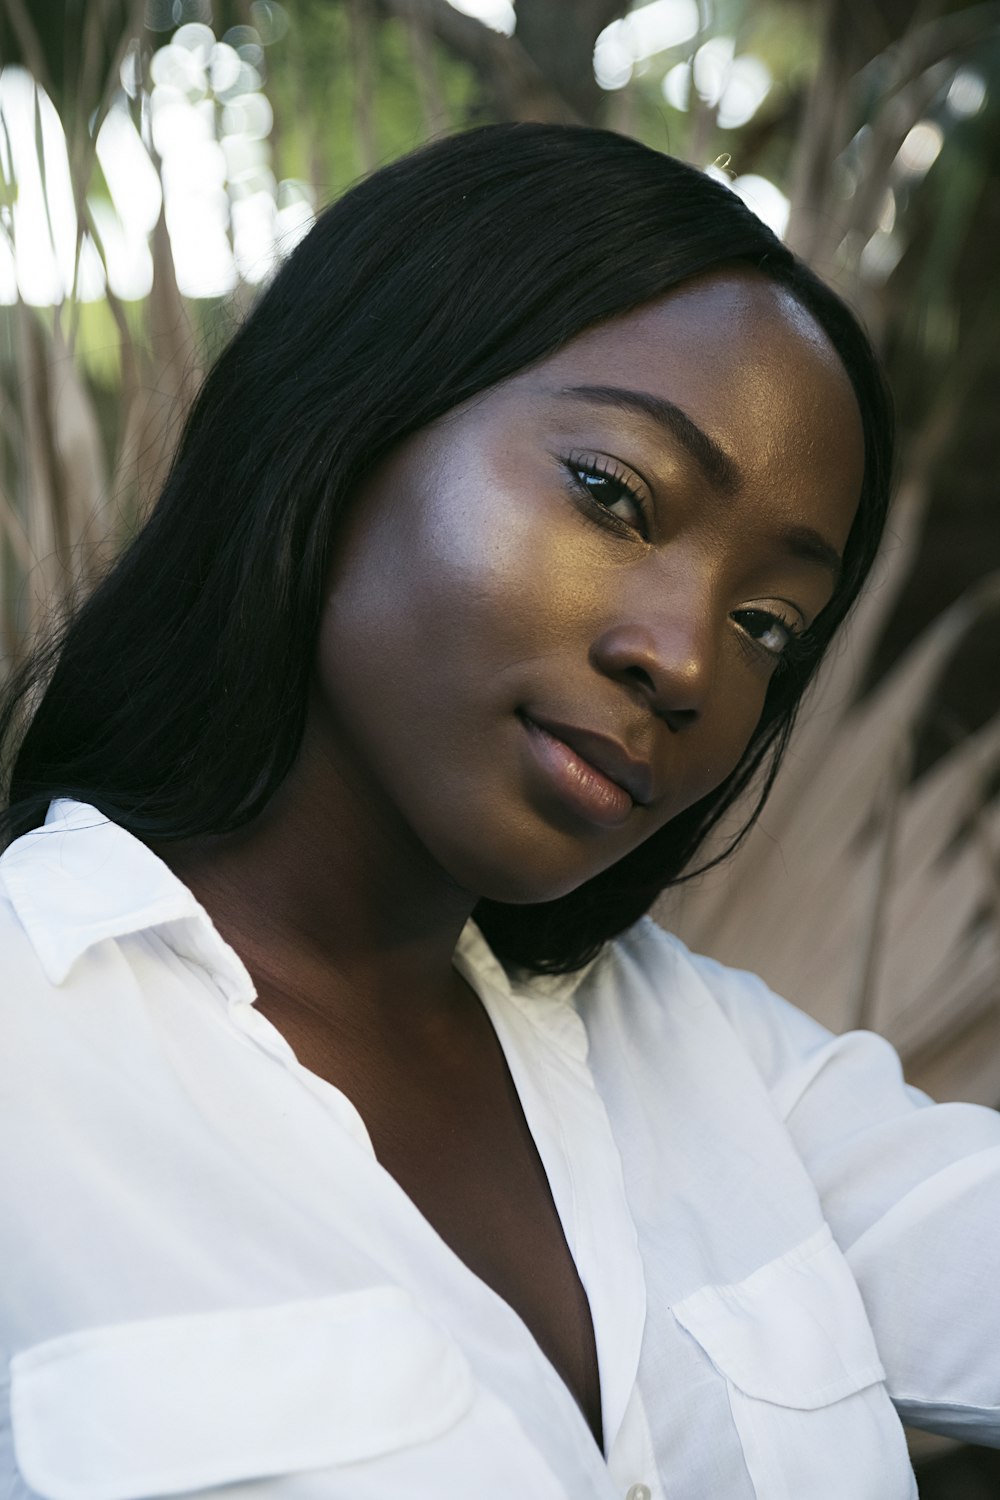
174	700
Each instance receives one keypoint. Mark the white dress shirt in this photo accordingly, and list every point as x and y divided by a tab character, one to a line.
207	1280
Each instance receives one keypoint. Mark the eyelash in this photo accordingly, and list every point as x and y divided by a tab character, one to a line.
606	470
753	643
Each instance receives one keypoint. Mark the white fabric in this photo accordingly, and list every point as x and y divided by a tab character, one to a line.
208	1281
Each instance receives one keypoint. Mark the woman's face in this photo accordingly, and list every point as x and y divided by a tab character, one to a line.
556	610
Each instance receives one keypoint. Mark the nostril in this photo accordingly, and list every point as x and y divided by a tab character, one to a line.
674	718
677	718
669	675
640	676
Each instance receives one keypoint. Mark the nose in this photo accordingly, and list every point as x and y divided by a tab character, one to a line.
668	663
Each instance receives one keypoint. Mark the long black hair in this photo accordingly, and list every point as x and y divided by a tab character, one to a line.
175	698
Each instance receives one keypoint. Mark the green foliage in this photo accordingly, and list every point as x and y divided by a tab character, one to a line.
314	85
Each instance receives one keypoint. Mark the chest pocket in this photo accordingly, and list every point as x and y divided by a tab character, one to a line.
182	1404
805	1383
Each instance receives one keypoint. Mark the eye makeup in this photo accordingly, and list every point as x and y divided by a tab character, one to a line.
610	491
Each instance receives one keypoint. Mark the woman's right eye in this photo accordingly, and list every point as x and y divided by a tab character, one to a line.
607	486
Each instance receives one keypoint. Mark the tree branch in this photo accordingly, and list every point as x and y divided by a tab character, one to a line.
30	43
514	83
560	39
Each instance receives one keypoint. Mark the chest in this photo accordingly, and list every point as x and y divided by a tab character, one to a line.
446	1123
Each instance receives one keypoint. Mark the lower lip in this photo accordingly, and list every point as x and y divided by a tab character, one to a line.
578	784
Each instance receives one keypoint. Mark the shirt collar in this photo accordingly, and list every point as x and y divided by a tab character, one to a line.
543	994
81	879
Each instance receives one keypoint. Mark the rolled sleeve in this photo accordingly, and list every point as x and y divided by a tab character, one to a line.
911	1191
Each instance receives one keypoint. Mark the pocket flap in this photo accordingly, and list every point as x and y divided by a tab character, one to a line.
168	1405
794	1333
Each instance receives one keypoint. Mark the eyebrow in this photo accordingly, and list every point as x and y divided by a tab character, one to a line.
804	543
798	541
713	461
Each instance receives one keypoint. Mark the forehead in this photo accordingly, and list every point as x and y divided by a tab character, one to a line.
747	363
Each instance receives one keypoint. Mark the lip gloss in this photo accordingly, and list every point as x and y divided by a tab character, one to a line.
584	789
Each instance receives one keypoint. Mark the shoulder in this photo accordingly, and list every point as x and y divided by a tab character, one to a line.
833	1092
23	980
57	1030
78	974
661	971
816	1079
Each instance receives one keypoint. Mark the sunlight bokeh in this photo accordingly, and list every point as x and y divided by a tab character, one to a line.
195	148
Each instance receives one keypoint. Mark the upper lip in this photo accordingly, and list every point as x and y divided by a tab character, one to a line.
606	755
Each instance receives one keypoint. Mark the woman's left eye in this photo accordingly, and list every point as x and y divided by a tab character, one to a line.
772	632
608	488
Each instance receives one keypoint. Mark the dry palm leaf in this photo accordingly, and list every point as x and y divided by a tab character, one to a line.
870	898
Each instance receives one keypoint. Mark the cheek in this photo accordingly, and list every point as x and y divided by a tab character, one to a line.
475	583
440	593
720	741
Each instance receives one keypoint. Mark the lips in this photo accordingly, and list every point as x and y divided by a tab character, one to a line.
609	758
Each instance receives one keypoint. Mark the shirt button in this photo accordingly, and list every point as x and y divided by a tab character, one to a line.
640	1492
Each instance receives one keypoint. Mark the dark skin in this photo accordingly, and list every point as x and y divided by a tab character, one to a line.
532	556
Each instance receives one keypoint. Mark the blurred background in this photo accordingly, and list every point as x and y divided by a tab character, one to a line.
158	157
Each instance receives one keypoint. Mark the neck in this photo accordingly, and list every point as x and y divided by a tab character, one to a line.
324	898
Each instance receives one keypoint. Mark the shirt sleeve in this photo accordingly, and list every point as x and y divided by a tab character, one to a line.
911	1191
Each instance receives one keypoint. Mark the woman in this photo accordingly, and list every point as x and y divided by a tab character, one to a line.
498	551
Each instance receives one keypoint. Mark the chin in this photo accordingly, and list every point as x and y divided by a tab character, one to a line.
527	892
528	876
